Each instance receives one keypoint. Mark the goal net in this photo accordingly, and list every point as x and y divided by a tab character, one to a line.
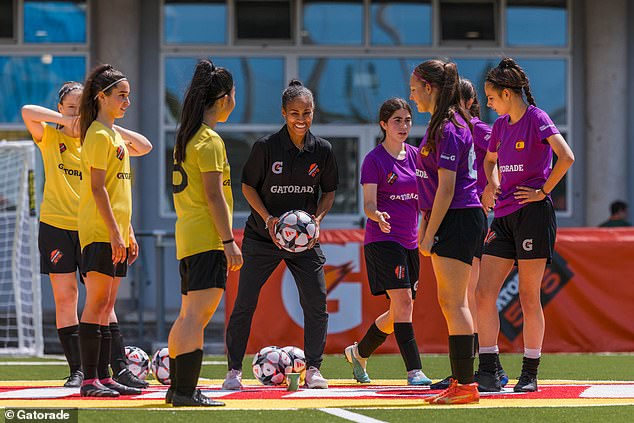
20	297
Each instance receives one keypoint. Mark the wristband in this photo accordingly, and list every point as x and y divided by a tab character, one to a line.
268	219
544	191
229	241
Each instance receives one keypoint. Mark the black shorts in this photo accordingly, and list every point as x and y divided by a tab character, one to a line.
97	257
203	271
60	251
459	234
483	235
528	233
391	266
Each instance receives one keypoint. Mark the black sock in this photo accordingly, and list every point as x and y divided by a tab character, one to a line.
173	372
461	357
372	340
488	363
187	372
476	344
530	365
117	350
69	338
404	333
89	346
104	354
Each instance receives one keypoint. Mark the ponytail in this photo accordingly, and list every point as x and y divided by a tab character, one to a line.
508	74
468	92
443	75
209	84
101	78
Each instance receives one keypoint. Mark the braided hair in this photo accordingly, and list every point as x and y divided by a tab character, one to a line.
508	74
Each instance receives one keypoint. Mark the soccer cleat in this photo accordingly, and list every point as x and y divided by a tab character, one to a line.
75	379
233	380
457	394
314	379
96	389
417	378
169	395
487	381
127	378
197	399
443	384
358	363
502	376
122	389
526	383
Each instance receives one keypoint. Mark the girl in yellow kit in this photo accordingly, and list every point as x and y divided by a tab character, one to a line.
104	219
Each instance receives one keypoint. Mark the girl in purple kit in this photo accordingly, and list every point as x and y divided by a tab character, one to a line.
388	176
523	230
453	221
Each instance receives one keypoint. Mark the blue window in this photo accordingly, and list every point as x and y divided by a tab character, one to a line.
400	22
259	83
34	80
352	90
537	23
333	22
54	21
548	80
195	22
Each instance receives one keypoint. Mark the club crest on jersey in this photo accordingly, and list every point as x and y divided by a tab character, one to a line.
424	151
391	178
519	145
56	256
277	167
399	271
497	146
62	147
490	237
313	170
120	152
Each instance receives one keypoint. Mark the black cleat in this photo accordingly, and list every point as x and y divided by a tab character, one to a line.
197	399
96	389
443	384
122	389
75	379
487	381
526	383
127	378
169	395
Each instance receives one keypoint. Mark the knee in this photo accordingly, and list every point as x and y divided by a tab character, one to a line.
66	300
98	304
195	319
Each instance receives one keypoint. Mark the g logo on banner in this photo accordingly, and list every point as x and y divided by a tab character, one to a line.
277	167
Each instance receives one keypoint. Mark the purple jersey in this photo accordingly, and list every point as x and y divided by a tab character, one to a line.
454	152
481	134
396	194
524	155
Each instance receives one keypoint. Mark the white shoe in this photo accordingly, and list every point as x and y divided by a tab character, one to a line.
233	380
314	379
358	363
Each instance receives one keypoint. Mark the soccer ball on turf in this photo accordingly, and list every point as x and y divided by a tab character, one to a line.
295	230
298	361
137	361
270	366
161	366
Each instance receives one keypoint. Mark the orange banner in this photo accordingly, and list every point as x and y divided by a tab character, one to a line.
587	292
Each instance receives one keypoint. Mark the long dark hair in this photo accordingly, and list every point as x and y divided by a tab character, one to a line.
388	108
102	76
209	84
468	92
508	74
443	75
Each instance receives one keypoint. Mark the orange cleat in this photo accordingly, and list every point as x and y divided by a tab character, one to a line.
457	394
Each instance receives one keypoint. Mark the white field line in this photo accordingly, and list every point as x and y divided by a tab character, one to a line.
64	363
349	415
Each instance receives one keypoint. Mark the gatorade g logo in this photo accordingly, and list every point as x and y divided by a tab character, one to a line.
313	170
56	256
277	167
120	152
527	244
391	178
399	271
62	147
519	145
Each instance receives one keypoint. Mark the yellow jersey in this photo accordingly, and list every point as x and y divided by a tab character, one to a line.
61	158
195	228
104	149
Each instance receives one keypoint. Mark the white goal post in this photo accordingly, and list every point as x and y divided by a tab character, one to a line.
20	291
